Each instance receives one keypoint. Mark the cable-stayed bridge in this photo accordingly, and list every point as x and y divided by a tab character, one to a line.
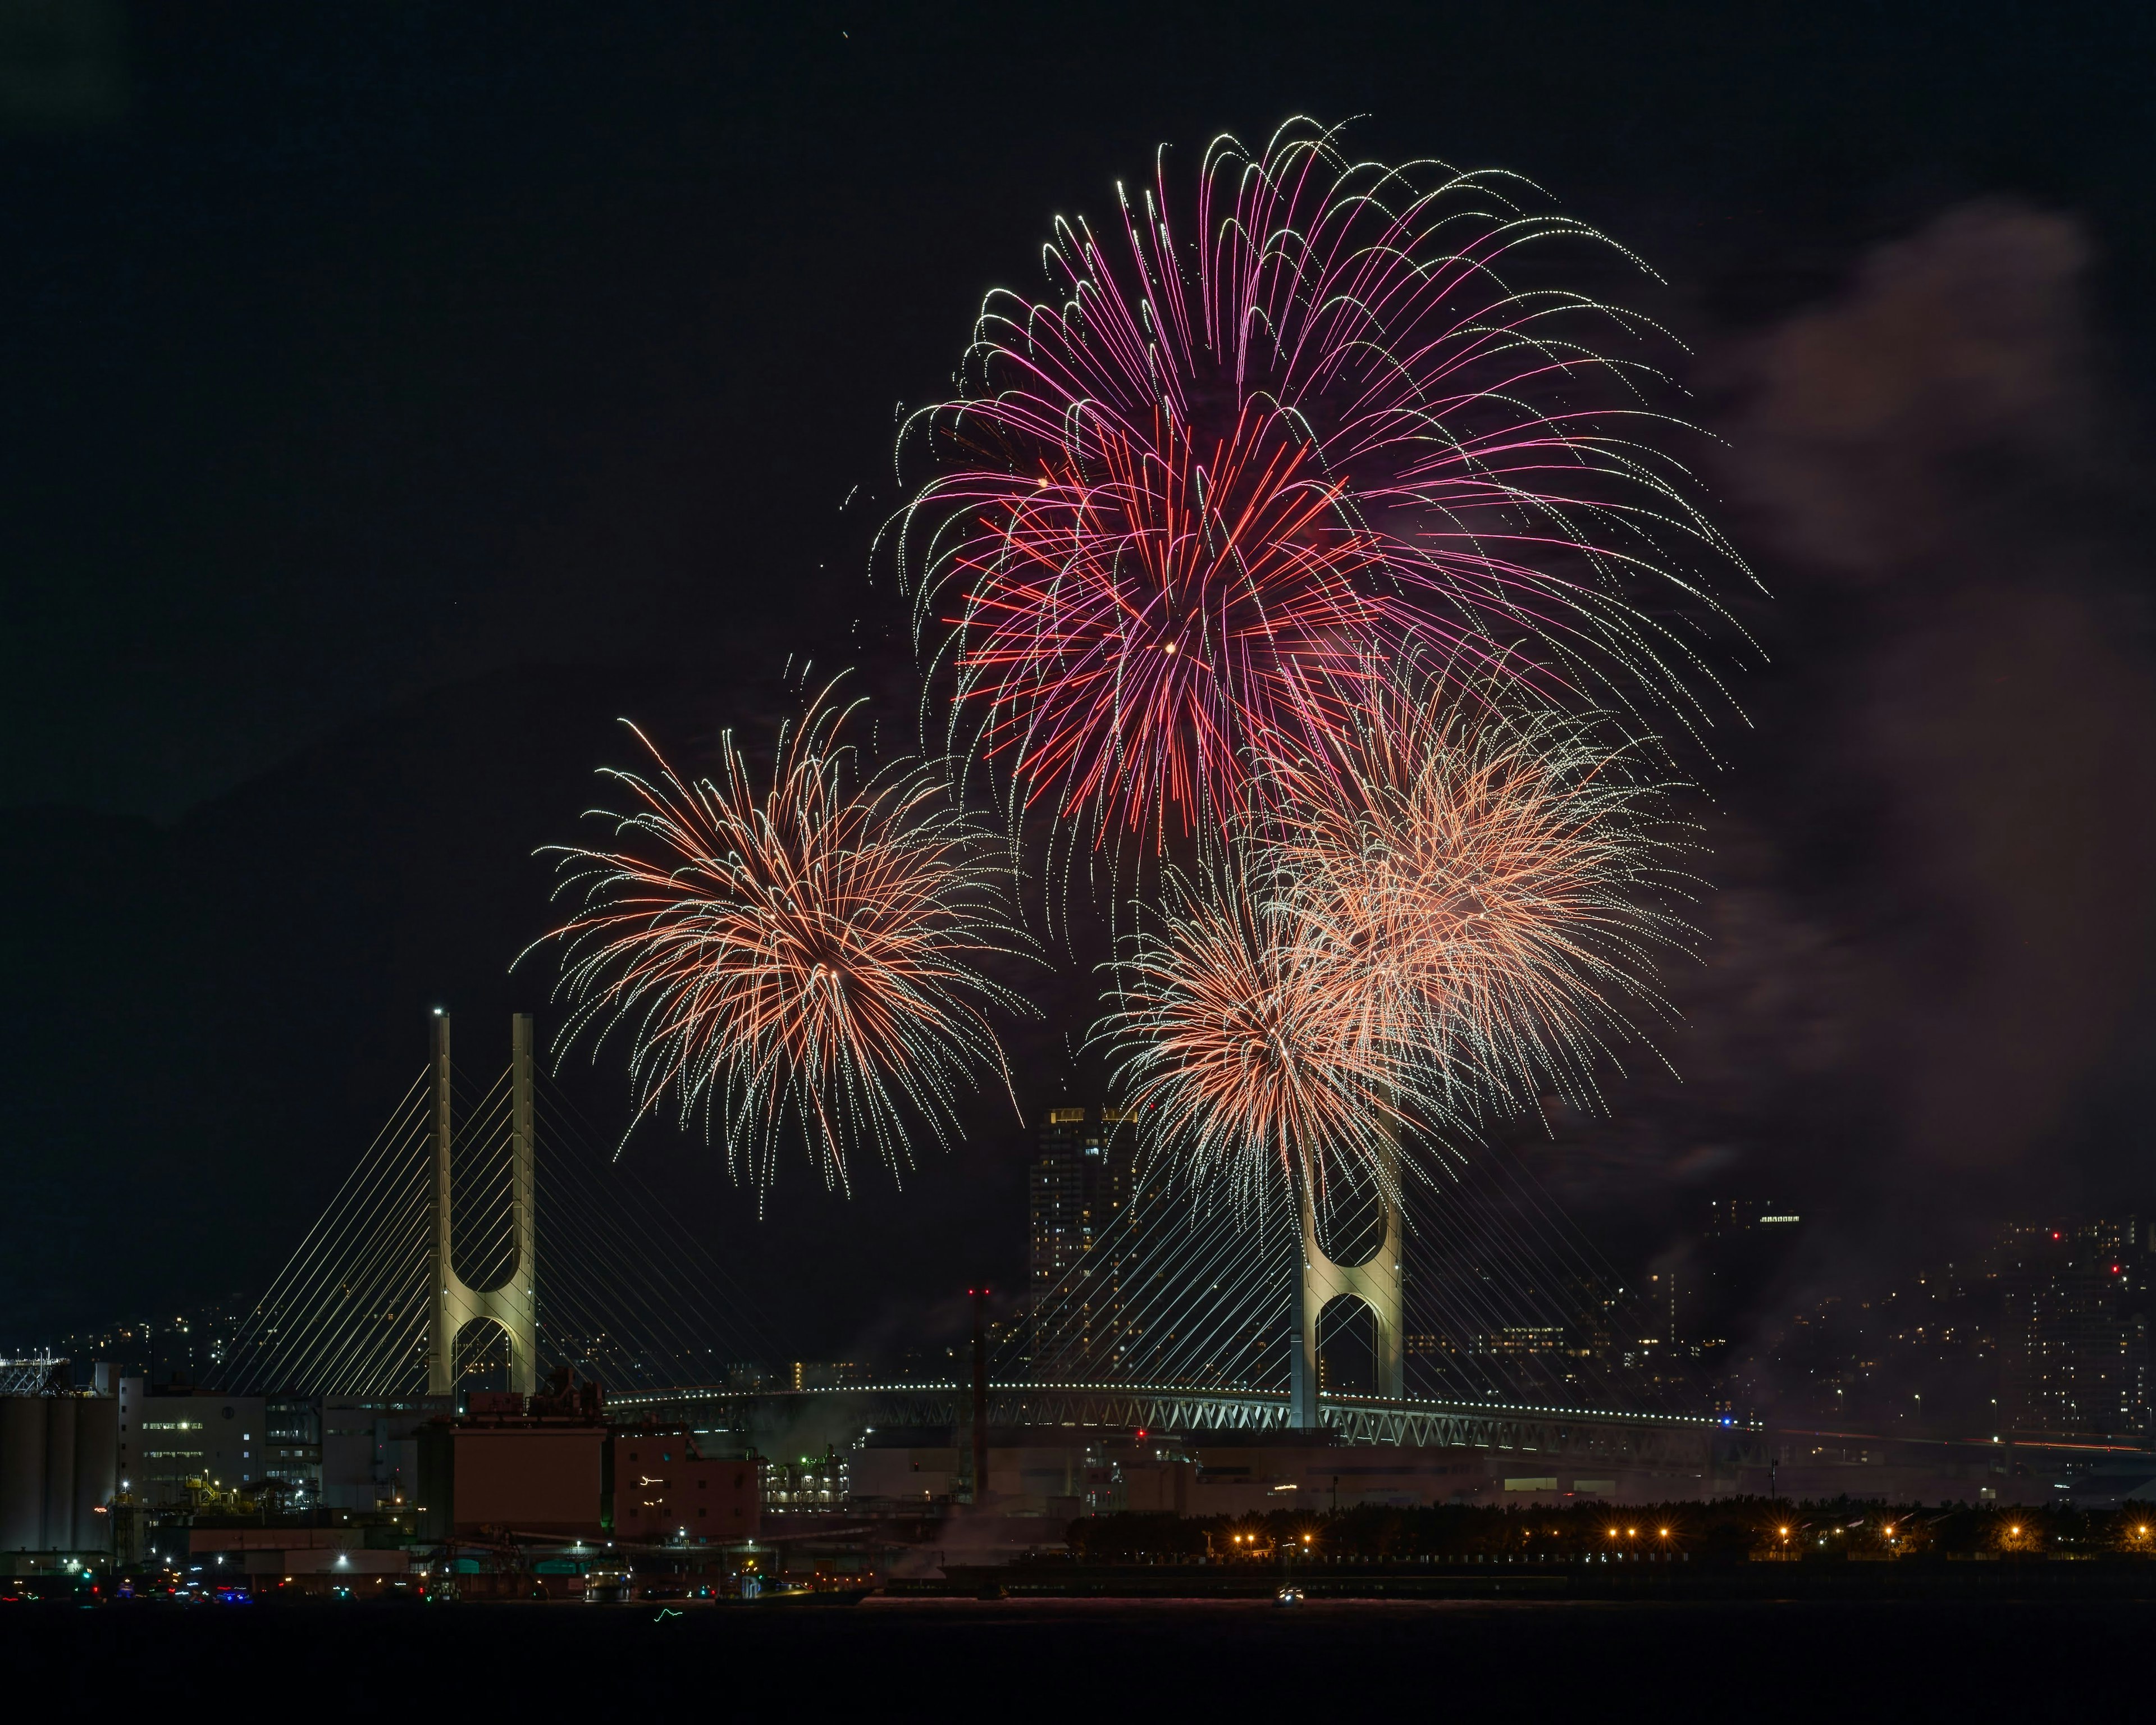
1488	1294
483	1234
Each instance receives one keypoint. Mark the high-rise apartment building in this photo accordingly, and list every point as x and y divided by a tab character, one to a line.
1743	1257
2073	1338
1062	1190
1659	1323
1076	1189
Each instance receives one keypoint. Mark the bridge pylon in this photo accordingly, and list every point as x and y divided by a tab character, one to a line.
514	1303
1376	1282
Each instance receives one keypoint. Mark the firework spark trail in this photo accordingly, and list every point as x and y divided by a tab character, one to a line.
1503	875
1179	507
807	957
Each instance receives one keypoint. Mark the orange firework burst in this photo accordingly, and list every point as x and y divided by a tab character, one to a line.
1450	915
1248	1045
805	957
1500	876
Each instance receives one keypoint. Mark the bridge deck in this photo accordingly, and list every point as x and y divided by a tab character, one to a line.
1602	1433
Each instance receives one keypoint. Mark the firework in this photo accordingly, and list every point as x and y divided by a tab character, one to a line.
1451	914
1252	1048
1502	875
802	957
1182	502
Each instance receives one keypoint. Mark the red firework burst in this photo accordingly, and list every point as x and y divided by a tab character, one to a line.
1180	508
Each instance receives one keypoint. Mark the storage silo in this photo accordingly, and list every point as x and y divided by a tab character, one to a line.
21	1472
96	1471
60	1473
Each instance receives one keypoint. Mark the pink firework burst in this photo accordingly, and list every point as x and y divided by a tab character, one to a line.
1181	504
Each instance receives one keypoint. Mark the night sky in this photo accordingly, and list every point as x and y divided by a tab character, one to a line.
391	396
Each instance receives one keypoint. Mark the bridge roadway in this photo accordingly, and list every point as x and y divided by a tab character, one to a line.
1575	1434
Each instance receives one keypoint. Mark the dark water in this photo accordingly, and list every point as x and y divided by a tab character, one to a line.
1106	1659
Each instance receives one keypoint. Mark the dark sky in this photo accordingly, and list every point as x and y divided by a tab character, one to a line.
390	395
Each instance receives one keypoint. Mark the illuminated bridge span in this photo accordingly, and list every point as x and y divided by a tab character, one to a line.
1577	1434
442	1263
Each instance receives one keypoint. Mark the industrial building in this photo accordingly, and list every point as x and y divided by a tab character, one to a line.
1198	1476
370	1448
554	1467
174	1440
665	1490
343	1452
536	1466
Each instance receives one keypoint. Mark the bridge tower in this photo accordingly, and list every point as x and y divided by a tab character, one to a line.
1376	1282
514	1304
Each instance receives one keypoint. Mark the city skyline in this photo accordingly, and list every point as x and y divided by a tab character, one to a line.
2040	1331
1524	636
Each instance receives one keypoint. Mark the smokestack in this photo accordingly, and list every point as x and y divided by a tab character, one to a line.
980	1393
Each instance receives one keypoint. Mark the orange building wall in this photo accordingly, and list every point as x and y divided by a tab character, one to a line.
528	1481
662	1488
